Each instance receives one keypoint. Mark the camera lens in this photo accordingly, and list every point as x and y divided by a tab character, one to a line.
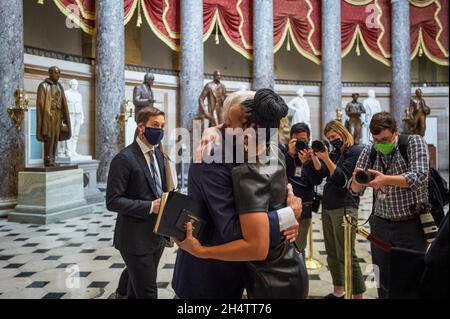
318	146
300	146
363	177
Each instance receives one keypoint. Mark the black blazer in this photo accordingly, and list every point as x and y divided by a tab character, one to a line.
130	192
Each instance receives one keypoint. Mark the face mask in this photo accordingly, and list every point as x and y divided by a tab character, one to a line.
153	135
385	148
337	143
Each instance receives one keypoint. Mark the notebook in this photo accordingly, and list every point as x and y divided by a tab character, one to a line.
175	211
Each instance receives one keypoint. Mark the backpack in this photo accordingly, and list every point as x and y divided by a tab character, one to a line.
438	193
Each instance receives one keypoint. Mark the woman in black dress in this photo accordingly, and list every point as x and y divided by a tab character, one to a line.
259	185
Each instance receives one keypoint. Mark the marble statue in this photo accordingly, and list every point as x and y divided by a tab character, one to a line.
416	114
372	106
215	92
67	150
143	94
52	115
300	109
353	110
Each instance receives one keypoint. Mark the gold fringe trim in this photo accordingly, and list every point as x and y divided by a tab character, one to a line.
172	34
139	18
76	19
85	14
241	26
358	2
131	12
158	33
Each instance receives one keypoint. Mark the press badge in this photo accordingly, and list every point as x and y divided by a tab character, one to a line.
298	171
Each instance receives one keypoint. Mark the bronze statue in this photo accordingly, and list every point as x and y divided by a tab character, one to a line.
416	114
354	109
53	118
143	94
215	92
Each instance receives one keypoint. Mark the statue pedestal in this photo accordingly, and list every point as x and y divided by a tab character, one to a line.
91	192
50	194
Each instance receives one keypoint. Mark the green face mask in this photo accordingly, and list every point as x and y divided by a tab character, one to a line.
385	148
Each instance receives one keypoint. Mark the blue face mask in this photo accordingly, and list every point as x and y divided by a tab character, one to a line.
153	135
337	143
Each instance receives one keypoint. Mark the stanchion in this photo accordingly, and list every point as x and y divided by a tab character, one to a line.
348	284
310	262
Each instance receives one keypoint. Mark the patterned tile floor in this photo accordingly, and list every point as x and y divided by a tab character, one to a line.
75	259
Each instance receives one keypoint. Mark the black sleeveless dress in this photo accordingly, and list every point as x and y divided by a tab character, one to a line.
262	187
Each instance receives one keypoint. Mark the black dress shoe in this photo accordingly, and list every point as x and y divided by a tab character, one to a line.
333	296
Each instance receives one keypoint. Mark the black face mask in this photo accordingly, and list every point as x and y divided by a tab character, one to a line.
337	143
153	135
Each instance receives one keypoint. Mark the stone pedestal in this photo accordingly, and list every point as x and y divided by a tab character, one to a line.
90	167
48	195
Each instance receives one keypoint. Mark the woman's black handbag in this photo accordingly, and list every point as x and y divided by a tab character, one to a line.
282	275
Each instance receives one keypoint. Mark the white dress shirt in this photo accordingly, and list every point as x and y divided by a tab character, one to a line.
146	151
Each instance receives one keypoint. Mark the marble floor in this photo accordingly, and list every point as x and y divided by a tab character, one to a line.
75	259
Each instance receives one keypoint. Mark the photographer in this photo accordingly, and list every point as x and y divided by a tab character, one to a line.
302	172
399	190
337	202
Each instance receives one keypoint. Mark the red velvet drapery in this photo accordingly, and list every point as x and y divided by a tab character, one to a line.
365	24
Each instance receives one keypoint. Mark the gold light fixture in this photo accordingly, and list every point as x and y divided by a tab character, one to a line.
339	114
17	113
126	111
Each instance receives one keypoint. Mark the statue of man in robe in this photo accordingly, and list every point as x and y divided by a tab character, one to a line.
300	109
372	106
354	109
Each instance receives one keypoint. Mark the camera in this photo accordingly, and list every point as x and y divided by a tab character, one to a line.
364	177
318	146
300	145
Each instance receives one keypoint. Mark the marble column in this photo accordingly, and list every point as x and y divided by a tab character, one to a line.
109	82
263	72
191	75
12	149
331	60
401	63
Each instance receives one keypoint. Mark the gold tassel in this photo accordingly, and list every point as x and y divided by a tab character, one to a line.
358	51
139	18
40	2
216	38
288	45
420	50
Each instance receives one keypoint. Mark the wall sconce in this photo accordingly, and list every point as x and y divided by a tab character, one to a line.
339	114
17	113
126	111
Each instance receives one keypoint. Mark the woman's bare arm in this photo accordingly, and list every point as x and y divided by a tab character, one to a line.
253	246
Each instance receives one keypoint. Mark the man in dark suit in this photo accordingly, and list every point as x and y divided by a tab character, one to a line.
136	181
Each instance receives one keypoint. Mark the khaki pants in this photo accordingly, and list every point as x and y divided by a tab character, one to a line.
333	233
302	237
